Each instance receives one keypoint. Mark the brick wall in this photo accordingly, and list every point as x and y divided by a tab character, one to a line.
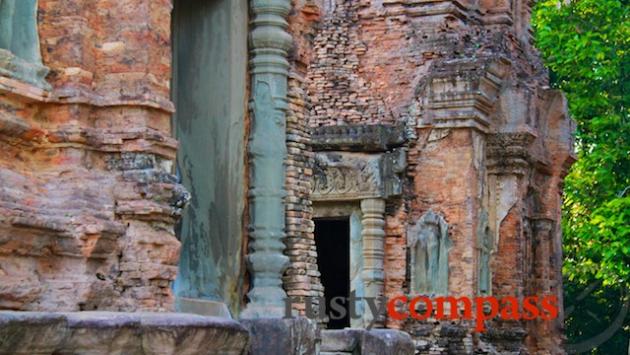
301	279
87	202
458	74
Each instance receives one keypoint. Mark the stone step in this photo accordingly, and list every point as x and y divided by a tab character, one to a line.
346	340
364	342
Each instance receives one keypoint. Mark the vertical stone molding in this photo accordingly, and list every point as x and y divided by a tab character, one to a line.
267	152
543	228
373	233
509	165
485	244
545	282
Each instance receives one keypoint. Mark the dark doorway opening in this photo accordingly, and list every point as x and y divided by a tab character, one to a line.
332	239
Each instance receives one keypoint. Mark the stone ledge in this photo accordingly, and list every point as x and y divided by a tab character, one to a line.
358	137
202	307
32	73
29	92
39	333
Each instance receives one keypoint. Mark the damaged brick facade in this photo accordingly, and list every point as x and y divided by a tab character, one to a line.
88	201
486	140
439	106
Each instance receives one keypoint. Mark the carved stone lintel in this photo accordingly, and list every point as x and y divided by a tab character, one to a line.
341	176
267	151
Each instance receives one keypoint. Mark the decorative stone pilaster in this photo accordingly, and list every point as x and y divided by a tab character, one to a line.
373	233
508	153
543	236
545	283
508	164
267	151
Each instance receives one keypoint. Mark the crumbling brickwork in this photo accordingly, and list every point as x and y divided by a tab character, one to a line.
339	86
395	113
301	280
487	142
395	256
87	199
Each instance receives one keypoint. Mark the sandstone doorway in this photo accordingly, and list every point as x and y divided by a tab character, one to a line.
332	239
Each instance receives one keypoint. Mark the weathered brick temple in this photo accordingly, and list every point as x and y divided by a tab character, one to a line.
172	170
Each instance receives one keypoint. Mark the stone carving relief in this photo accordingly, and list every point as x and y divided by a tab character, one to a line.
485	246
429	244
393	165
352	176
335	175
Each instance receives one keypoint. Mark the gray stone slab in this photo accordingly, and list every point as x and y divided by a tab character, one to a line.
386	342
119	333
364	342
341	340
283	336
358	137
31	333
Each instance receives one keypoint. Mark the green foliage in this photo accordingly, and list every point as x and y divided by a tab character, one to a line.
593	313
585	44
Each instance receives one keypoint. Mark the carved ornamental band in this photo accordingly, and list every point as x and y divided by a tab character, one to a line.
342	176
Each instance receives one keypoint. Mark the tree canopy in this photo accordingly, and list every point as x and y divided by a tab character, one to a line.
585	45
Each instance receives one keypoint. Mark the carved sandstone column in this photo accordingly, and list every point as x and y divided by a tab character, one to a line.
267	152
543	268
544	282
373	234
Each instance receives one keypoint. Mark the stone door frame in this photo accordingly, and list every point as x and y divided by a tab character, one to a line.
356	185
